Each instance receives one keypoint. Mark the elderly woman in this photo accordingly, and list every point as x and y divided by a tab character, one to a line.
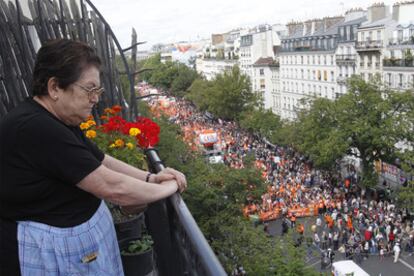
53	180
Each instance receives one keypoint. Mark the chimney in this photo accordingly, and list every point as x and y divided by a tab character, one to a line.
396	11
307	30
318	25
376	12
330	21
293	27
354	13
217	38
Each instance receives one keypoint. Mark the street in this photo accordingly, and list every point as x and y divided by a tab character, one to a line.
373	265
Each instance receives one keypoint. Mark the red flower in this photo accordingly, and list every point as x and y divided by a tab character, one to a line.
148	137
114	124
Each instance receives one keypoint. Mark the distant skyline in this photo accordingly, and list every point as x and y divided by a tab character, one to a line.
164	21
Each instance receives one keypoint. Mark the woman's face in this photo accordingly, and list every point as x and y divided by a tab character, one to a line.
75	103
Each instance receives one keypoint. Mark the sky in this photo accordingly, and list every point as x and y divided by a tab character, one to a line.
164	21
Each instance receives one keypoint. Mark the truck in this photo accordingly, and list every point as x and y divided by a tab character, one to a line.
347	268
212	151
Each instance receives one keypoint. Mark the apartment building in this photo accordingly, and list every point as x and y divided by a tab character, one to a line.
398	65
210	68
266	82
259	42
307	63
345	54
373	36
221	54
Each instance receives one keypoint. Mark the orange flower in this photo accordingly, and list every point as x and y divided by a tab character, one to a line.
119	143
91	134
104	117
109	111
84	126
90	117
116	108
91	123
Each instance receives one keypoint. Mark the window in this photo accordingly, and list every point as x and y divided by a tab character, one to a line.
262	84
341	32
379	35
332	76
400	84
348	32
325	75
261	72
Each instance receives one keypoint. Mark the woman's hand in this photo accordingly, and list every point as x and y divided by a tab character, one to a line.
170	174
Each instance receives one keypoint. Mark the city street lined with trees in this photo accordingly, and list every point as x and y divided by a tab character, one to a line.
366	122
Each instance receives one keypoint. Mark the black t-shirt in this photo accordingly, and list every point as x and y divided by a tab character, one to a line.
41	161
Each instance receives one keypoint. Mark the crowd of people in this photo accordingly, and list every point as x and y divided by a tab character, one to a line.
343	216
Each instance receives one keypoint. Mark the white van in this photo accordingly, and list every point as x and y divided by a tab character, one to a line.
347	268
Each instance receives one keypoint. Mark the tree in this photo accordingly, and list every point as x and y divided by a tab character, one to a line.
200	93
261	121
366	122
231	95
183	80
227	96
318	134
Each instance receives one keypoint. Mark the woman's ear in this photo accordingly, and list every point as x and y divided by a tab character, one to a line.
53	88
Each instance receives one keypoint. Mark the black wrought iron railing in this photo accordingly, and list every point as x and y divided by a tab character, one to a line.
182	247
398	62
369	45
345	58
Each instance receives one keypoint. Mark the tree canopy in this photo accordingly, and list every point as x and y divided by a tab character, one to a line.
227	96
172	76
366	122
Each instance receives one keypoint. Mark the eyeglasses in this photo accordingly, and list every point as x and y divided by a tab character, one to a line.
94	91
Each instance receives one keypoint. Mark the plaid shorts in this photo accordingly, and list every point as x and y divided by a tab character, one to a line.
87	249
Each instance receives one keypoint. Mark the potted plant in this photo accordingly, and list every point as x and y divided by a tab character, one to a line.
123	140
137	255
126	225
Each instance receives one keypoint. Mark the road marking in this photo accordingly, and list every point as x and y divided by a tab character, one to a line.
406	264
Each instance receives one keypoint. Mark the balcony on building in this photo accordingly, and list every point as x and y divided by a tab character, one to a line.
345	59
398	43
393	62
369	45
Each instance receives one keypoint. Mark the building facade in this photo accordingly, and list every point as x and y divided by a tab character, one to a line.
398	65
307	63
266	82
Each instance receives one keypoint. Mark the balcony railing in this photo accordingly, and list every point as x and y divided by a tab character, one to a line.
180	246
369	45
398	63
401	41
306	49
348	58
